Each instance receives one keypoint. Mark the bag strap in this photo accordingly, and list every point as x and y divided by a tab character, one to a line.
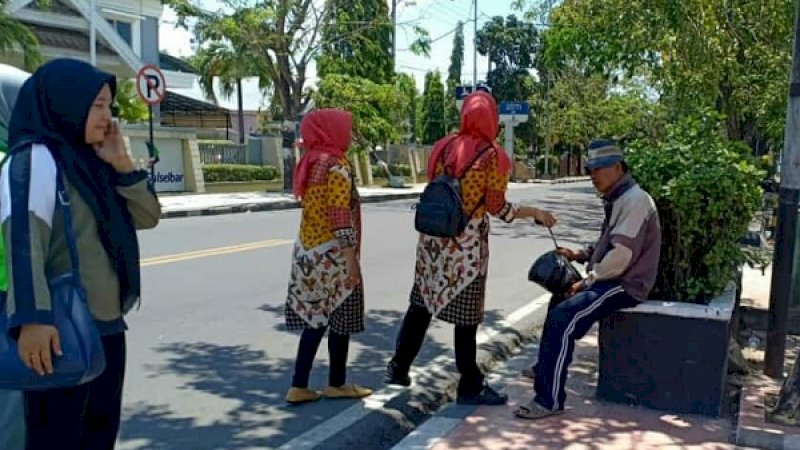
62	197
483	197
475	159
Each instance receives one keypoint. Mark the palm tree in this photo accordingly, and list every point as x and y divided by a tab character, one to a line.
15	35
231	65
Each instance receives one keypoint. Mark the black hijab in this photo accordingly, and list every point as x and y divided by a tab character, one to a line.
52	109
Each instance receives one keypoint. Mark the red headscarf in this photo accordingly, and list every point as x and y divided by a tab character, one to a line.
479	127
324	132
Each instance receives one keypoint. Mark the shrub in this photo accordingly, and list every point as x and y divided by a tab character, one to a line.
215	173
707	191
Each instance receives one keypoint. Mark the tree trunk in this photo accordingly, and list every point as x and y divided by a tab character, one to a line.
787	408
241	109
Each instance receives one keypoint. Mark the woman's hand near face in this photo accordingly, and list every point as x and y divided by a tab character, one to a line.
113	151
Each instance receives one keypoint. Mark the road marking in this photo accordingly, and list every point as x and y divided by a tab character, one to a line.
324	431
178	257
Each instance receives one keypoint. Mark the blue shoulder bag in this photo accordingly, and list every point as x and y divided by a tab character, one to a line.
83	359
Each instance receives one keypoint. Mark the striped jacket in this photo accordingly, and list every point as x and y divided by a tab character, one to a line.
28	201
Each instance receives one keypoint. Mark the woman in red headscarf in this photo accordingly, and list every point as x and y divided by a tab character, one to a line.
325	290
450	275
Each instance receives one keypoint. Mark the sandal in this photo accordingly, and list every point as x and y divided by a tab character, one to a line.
347	391
297	396
535	411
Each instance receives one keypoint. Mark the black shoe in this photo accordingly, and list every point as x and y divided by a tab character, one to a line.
393	375
486	396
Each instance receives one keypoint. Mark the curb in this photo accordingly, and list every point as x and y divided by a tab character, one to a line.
498	349
293	204
270	206
562	180
752	429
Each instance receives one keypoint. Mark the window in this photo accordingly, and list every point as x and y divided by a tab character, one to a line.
124	29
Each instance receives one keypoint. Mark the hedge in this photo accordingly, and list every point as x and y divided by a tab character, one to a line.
216	173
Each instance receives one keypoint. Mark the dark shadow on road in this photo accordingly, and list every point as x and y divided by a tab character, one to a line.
255	382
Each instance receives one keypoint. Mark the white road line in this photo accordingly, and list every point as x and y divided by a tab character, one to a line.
320	433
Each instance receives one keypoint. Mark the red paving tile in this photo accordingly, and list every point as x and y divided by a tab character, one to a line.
587	423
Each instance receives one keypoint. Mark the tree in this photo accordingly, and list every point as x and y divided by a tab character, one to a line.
132	108
454	76
15	35
357	40
376	108
433	108
732	56
407	87
511	45
281	36
230	63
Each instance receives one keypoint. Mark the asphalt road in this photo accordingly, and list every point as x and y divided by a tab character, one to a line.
209	360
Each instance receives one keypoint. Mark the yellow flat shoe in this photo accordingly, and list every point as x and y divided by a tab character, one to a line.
297	396
347	391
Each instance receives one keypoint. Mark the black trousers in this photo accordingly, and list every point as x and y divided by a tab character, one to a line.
84	417
412	334
338	345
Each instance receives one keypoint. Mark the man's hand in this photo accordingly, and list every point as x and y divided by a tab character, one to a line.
35	342
576	287
570	254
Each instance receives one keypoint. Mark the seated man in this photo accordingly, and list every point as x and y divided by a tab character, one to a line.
622	270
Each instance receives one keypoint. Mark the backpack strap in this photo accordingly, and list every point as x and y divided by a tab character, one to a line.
443	156
474	160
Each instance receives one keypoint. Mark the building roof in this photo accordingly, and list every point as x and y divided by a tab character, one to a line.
175	102
69	39
57	7
169	62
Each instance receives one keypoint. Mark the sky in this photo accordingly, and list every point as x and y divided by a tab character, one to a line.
439	17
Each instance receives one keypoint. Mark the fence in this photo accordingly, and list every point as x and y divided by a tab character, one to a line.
223	153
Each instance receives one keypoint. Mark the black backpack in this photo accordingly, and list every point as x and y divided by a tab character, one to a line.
440	211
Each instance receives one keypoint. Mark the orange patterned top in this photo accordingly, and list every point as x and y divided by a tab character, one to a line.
331	208
484	178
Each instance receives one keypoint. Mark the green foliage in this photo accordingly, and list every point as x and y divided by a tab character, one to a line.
452	116
16	36
511	45
357	40
279	39
582	108
433	125
407	87
377	108
132	109
706	188
228	62
218	173
733	56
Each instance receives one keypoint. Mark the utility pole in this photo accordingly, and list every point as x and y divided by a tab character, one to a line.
780	295
475	50
394	36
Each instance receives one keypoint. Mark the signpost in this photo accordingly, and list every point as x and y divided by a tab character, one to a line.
513	114
463	91
152	88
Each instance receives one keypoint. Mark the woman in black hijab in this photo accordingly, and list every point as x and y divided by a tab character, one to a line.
62	125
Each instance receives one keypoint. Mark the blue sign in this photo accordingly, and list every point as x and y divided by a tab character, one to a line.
515	108
463	91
